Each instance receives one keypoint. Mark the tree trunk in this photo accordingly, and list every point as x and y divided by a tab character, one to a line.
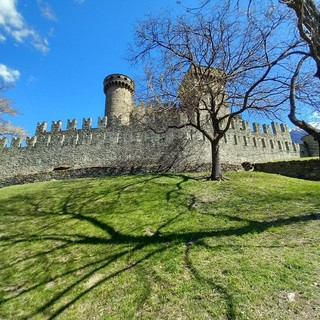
216	173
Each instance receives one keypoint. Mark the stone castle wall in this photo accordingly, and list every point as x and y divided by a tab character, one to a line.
133	147
307	169
122	142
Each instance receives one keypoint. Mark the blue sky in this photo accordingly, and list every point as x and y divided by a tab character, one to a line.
56	54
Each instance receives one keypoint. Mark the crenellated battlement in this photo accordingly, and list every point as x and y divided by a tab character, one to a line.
277	129
16	142
56	126
31	141
102	122
72	124
41	127
86	124
56	136
264	136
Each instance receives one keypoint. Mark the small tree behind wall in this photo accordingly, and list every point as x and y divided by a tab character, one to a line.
215	65
7	109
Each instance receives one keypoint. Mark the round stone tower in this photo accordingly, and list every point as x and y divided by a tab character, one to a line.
118	89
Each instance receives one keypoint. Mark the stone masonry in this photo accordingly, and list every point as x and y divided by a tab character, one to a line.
120	142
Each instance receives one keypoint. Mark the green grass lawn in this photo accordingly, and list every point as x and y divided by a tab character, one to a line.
161	247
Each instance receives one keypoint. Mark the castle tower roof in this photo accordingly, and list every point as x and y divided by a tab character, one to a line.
118	80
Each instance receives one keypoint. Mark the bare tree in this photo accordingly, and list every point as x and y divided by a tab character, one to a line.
212	66
6	108
308	24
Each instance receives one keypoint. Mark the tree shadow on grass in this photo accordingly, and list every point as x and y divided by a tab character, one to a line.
220	289
135	249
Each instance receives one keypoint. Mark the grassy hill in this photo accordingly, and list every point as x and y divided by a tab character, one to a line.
161	247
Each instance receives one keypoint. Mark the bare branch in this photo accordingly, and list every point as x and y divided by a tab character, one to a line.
293	106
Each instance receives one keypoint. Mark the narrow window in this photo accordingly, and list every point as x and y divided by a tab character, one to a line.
294	147
287	145
271	144
254	142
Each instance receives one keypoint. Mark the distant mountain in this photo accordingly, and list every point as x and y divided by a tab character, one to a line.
296	134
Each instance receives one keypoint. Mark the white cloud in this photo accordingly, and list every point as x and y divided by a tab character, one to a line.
9	14
8	75
51	32
13	24
79	1
2	38
46	10
316	115
315	124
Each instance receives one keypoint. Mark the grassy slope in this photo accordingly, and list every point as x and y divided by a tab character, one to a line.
83	249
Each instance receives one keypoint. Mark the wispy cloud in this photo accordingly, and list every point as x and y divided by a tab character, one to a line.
12	23
79	1
46	10
31	79
315	124
316	115
8	75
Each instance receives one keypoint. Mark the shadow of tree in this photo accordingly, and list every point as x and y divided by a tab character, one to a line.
123	251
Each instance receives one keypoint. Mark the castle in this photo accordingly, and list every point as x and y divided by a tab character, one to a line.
119	141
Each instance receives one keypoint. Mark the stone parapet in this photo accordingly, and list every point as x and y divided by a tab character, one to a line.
303	169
